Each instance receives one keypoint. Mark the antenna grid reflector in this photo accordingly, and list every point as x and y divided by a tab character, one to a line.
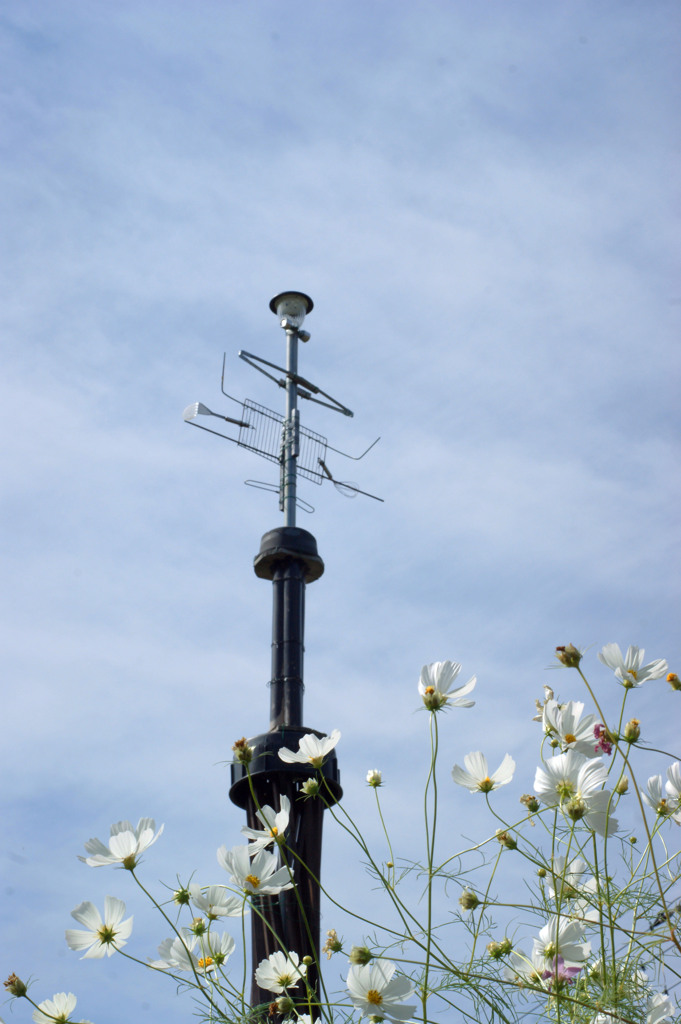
264	436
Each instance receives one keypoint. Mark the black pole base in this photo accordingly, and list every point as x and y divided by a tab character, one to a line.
289	921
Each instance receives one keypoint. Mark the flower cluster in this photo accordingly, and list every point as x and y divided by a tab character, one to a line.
576	940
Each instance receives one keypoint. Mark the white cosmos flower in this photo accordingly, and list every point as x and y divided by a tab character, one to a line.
375	992
660	1007
673	788
219	947
274	824
564	937
58	1009
566	878
629	669
565	722
566	881
566	884
435	686
523	968
662	805
587	908
311	749
261	875
280	972
103	937
180	953
177	953
477	777
216	901
125	844
574	782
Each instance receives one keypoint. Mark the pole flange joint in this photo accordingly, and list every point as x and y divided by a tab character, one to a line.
284	543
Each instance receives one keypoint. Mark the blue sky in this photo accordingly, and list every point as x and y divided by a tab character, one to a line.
480	199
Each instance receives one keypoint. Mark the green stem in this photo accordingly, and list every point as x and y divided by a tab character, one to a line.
431	781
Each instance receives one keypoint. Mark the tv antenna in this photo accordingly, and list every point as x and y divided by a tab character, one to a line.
282	439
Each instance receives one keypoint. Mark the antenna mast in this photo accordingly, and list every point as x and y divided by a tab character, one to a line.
288	557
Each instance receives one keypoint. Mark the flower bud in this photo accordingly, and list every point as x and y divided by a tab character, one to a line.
468	900
530	802
243	751
15	986
569	656
374	778
198	926
622	786
360	955
506	840
541	872
308	961
674	681
310	787
284	1004
632	730
498	949
389	864
633	840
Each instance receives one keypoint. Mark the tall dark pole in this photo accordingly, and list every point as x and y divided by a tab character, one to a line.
288	557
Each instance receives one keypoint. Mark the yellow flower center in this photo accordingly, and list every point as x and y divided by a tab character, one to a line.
252	880
205	961
569	738
632	673
485	785
374	997
428	690
274	831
